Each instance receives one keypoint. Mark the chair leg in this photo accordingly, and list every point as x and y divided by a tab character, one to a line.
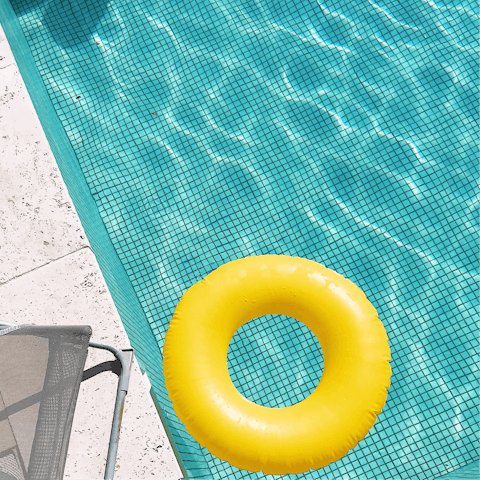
126	358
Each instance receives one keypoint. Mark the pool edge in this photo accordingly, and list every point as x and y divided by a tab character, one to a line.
121	290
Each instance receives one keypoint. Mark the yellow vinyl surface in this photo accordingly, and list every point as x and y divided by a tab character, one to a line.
312	433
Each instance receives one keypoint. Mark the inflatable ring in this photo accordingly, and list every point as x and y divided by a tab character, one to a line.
312	433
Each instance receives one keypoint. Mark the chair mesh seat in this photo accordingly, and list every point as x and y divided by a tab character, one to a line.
41	368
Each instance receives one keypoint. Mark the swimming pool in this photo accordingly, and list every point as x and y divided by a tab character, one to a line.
342	132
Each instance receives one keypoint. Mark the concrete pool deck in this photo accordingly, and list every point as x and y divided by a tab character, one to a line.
49	275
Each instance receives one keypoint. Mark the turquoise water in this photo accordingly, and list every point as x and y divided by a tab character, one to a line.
343	132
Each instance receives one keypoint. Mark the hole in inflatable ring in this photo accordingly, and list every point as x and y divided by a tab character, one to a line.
275	361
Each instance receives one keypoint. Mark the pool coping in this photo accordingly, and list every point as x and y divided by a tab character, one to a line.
112	270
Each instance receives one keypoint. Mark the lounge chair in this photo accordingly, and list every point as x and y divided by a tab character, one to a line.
41	368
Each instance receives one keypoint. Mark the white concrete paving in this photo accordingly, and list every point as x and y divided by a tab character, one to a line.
49	275
38	222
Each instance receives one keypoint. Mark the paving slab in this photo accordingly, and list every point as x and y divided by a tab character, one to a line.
38	221
6	55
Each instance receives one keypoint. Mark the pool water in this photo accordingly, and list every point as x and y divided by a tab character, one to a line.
340	131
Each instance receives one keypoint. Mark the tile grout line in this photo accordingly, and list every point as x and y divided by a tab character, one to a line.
43	265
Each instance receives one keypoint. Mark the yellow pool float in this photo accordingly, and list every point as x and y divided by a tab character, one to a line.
312	433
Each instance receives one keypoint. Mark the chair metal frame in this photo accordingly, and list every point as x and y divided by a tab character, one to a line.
122	367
